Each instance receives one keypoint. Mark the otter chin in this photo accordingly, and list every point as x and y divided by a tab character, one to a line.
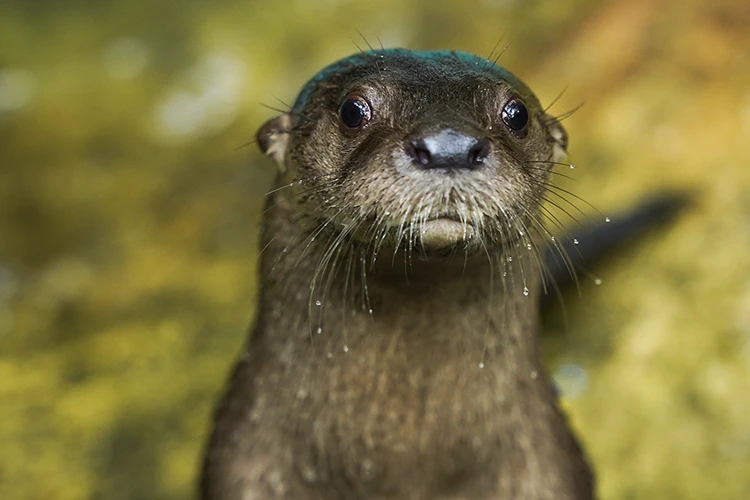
442	233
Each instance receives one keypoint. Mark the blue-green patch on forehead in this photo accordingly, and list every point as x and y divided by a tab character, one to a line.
434	59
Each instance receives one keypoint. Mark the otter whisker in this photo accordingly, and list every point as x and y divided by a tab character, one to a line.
552	172
311	238
491	301
488	61
526	239
557	98
302	194
549	201
570	193
273	108
556	246
328	264
365	290
568	114
293	220
547	278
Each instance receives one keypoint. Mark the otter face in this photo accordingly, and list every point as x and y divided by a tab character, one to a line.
430	150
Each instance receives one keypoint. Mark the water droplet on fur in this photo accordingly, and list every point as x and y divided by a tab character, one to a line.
575	241
597	281
528	246
534	374
367	468
346	348
285	250
510	258
387	212
370	311
302	394
277	483
481	365
505	274
329	355
607	220
525	291
320	330
318	303
308	473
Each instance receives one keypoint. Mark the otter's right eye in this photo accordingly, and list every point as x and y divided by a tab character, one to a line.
355	112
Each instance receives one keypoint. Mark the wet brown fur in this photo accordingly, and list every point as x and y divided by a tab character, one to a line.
378	367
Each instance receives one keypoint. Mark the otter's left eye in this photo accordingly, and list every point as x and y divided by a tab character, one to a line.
355	112
515	115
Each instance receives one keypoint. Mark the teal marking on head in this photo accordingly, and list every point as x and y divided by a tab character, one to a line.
435	57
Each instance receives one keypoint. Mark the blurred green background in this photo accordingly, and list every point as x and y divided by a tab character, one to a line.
129	207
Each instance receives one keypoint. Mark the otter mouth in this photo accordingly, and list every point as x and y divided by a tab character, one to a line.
444	232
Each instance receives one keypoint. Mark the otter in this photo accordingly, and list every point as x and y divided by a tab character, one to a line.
395	352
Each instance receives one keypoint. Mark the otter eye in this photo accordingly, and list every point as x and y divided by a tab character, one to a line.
515	115
355	112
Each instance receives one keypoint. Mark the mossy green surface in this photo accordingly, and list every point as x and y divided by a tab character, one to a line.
129	209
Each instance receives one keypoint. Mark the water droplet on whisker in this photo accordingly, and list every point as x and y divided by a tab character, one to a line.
597	281
318	303
575	241
525	291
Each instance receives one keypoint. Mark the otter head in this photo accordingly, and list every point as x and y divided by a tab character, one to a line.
428	150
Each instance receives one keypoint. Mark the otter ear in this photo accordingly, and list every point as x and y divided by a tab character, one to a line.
559	137
273	138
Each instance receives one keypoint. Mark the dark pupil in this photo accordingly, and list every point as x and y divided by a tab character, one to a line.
515	115
354	112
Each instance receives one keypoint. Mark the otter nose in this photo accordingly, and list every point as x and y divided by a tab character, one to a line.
448	150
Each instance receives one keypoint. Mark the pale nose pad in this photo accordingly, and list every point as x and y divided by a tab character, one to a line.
448	150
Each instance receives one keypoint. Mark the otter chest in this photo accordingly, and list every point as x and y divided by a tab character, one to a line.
372	425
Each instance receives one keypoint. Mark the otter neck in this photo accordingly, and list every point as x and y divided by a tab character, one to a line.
478	309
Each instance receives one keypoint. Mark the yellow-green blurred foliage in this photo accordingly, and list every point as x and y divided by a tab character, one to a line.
128	215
